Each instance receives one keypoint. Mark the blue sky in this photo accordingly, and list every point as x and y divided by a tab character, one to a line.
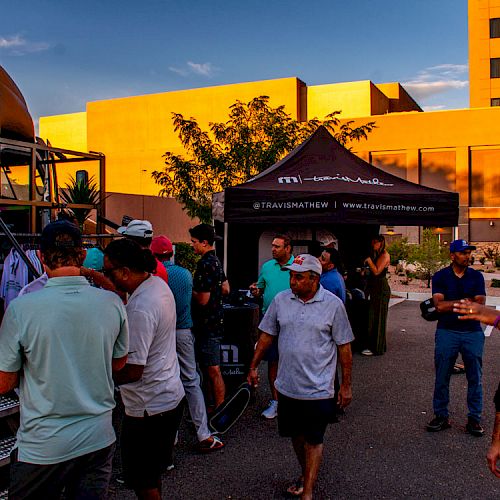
63	54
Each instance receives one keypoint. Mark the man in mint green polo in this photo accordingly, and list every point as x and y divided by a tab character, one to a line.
60	345
273	278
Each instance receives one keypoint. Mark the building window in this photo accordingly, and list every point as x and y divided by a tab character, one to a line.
437	169
495	101
495	27
495	67
392	163
484	178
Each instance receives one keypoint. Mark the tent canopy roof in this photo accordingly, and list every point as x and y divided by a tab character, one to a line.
321	181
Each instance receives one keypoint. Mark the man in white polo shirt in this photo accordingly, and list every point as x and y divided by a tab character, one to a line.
312	326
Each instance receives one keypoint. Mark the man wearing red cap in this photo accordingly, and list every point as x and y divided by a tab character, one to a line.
181	284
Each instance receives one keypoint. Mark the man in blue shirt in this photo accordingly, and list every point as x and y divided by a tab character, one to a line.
331	279
449	285
180	282
273	278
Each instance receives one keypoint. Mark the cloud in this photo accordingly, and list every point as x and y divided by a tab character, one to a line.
191	68
437	80
437	107
17	45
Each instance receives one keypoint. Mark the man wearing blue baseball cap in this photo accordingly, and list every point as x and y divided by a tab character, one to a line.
449	285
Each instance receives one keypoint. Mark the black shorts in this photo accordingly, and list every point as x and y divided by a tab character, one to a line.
207	348
305	417
146	445
86	476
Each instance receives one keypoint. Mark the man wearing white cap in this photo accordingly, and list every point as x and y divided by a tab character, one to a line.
312	326
141	231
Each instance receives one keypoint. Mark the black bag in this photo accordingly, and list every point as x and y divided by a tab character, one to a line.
428	310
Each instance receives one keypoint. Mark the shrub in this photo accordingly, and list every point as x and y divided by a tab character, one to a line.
491	253
482	260
495	283
399	250
497	262
185	256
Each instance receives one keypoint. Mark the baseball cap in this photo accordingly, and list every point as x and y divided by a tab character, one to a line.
305	262
460	246
138	228
204	232
94	259
161	245
52	232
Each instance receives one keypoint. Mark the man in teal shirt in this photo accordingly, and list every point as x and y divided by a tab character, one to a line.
273	278
60	345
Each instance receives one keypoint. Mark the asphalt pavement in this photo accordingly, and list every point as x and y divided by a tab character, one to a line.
379	450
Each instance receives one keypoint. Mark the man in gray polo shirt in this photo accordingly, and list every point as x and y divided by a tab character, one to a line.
312	326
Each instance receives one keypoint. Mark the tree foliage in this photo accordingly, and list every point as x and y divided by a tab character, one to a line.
399	250
255	137
429	255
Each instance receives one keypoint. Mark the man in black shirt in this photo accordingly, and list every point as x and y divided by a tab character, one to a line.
209	285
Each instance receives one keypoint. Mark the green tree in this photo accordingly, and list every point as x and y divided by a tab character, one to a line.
255	137
399	250
429	255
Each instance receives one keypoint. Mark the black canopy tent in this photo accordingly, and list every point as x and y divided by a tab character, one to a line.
322	183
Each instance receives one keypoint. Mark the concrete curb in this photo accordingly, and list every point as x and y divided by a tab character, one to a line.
420	296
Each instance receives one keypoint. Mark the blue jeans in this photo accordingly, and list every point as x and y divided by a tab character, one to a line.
448	344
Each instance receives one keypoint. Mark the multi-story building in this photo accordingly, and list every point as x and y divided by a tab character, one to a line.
455	150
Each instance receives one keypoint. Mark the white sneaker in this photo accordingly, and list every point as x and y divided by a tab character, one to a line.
271	411
367	352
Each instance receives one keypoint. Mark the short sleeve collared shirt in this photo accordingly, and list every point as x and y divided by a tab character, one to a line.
63	339
447	283
180	282
209	277
308	336
334	282
273	279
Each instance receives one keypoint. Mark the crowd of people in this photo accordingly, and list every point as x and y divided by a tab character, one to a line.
149	327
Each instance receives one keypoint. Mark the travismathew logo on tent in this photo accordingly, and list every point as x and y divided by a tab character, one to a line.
292	205
297	179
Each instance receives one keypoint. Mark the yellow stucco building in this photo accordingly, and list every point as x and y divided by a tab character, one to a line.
454	150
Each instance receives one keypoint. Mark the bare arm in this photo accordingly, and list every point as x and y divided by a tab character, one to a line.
472	310
128	374
201	298
8	381
118	363
265	341
493	455
225	288
379	265
444	306
345	360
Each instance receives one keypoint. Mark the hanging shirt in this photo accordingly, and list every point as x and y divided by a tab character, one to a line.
16	274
